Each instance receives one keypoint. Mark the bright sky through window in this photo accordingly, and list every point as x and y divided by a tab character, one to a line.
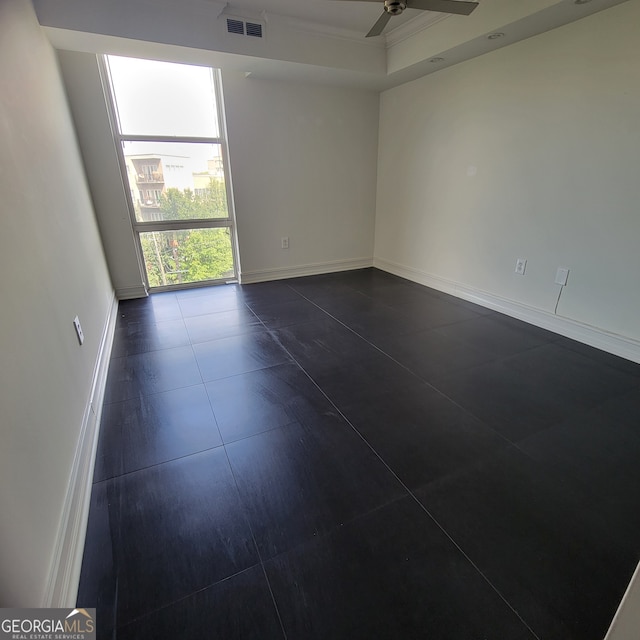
163	98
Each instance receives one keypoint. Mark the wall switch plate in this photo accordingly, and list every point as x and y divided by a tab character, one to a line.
561	276
284	242
521	265
78	328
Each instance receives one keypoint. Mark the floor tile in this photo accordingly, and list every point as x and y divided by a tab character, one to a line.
351	303
394	293
374	282
429	311
140	337
600	356
299	481
390	574
173	529
508	404
154	308
213	300
500	335
591	446
600	453
533	390
239	608
431	355
148	430
288	313
151	372
223	324
253	402
581	379
323	346
537	541
322	286
368	378
98	576
268	293
370	318
238	354
624	409
422	435
227	290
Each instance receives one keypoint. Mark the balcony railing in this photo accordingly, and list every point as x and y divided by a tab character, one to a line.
148	178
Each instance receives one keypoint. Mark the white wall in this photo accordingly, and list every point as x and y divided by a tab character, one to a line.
52	268
91	120
303	161
531	151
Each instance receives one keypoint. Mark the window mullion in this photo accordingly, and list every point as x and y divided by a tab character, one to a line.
174	225
185	139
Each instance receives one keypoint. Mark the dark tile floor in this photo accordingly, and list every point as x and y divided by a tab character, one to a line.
356	456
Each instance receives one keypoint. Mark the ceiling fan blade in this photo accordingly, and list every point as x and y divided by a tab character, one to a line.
379	26
458	7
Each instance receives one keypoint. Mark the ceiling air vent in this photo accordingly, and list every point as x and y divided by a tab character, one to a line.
235	26
243	27
254	29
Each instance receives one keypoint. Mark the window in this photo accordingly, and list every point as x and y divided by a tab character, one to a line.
169	130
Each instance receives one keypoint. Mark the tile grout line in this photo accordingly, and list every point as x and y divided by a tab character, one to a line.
400	364
223	445
255	542
157	464
185	597
411	494
235	481
404	486
499	359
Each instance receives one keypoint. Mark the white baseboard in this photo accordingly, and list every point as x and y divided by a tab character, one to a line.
128	293
626	622
64	575
264	275
618	345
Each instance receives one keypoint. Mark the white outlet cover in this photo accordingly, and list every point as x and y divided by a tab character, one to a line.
561	276
78	328
521	265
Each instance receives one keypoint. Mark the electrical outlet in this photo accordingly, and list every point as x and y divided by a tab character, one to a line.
521	265
78	328
561	276
284	242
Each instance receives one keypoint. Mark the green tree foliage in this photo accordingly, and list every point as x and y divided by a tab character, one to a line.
187	205
193	255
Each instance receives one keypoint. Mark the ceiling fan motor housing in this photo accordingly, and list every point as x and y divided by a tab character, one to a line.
394	7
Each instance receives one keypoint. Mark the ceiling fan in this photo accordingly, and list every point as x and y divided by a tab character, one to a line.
396	7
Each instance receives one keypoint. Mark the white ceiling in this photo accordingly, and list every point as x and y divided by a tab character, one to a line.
359	16
310	40
355	16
